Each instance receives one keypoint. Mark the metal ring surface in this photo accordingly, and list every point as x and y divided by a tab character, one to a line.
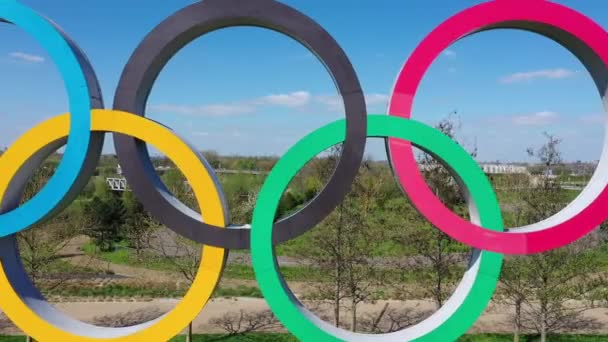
84	147
579	34
26	306
469	299
178	30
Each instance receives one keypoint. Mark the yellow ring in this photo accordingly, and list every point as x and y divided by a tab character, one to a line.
207	194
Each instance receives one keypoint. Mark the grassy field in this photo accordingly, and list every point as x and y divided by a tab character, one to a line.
261	337
148	291
125	256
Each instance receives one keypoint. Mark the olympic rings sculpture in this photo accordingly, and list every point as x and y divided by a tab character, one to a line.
82	130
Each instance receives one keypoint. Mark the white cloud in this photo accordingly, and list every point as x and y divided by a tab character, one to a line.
334	102
26	57
551	74
376	99
593	119
291	100
206	110
449	53
536	119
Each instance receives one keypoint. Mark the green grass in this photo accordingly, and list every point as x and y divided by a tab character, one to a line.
117	291
13	338
62	266
125	256
150	291
290	273
269	337
529	338
239	291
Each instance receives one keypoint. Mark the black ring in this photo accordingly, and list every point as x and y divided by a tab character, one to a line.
165	41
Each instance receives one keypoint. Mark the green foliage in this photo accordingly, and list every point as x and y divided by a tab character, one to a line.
213	159
550	291
160	290
119	291
239	291
137	225
105	216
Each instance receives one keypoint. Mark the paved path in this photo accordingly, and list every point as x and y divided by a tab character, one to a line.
494	320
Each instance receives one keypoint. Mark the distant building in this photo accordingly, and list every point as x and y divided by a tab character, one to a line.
489	168
159	169
503	169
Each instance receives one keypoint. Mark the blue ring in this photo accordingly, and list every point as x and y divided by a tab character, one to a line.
61	183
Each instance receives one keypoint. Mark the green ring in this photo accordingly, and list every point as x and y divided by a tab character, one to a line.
307	327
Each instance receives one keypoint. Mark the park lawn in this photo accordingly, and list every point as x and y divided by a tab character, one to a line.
260	337
269	337
126	256
149	291
533	338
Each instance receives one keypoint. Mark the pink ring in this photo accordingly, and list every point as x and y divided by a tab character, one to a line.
559	23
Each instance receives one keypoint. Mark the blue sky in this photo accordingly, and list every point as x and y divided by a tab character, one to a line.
251	91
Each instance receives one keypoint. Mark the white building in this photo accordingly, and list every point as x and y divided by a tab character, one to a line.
503	168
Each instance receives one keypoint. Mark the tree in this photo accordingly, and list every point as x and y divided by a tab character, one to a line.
105	217
549	291
183	254
213	159
514	290
40	246
389	320
363	236
137	225
437	257
244	323
342	244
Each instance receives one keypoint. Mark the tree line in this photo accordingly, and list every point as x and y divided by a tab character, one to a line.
371	244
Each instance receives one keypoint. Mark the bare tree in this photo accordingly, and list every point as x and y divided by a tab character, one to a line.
127	319
41	245
138	224
437	256
550	291
341	247
183	254
246	322
389	319
514	291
